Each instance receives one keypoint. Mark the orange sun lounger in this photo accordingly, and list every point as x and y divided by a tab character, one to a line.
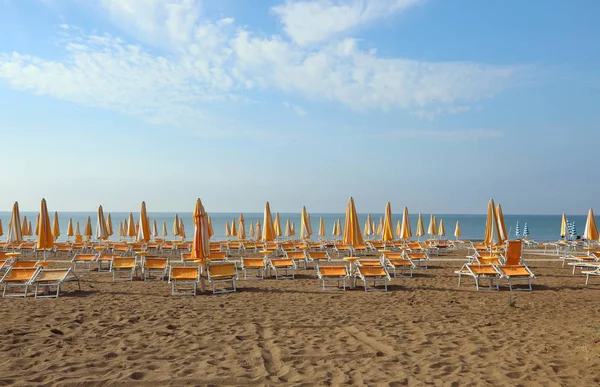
333	273
222	272
184	280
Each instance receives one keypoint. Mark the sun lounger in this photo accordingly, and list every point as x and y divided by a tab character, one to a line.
373	273
419	259
155	265
397	262
104	260
84	261
343	250
514	269
123	265
317	257
589	273
333	273
478	272
286	265
16	277
257	264
299	257
217	256
184	280
222	272
47	278
19	264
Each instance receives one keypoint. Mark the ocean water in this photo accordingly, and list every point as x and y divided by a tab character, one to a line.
541	227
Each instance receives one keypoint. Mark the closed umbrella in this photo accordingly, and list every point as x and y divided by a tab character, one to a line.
131	226
101	229
441	229
564	231
369	225
321	227
457	230
251	230
45	238
233	228
164	229
211	232
257	231
109	226
309	224
175	229
340	231
268	233
420	227
387	233
573	230
501	225
432	229
525	230
405	230
352	234
121	232
288	228
29	229
304	225
241	234
144	234
55	226
14	234
227	229
517	230
277	225
182	229
398	228
70	232
24	226
1	230
87	230
335	228
293	228
591	231
154	228
77	231
37	222
373	228
380	227
200	244
492	229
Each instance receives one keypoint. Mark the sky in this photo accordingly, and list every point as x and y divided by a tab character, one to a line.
432	104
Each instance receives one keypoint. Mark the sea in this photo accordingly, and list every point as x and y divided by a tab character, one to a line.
541	227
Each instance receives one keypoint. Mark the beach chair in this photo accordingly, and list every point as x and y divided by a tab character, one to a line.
285	265
398	262
123	265
478	272
155	265
333	273
19	264
343	250
589	273
64	249
47	278
184	280
258	264
217	256
84	261
18	277
104	260
513	269
317	257
222	272
299	257
373	273
419	259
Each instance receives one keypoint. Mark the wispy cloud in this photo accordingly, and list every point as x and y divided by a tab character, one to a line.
433	113
295	108
206	62
319	20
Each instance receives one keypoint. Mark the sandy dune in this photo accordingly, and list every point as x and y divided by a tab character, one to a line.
425	330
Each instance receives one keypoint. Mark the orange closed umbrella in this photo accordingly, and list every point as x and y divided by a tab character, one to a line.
288	228
45	239
501	225
564	230
251	230
70	228
591	231
154	228
200	245
420	227
268	233
277	225
304	225
130	226
257	231
109	226
441	229
457	230
405	230
77	231
321	227
175	229
182	229
233	228
241	228
398	228
87	230
1	230
210	228
101	229
144	234
227	229
492	229
387	234
352	234
55	226
14	234
293	228
24	226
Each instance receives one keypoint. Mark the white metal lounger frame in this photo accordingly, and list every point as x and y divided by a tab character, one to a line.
213	281
25	284
343	279
384	278
511	278
38	280
181	290
87	265
589	273
467	271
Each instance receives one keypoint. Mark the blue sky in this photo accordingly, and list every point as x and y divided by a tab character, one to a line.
432	104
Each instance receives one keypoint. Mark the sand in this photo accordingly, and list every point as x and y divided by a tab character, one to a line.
425	330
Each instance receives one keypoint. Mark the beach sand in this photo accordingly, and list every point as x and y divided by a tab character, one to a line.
425	330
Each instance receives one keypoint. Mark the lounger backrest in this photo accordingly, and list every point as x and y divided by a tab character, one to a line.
333	271
187	257
217	256
183	273
20	274
222	270
52	275
513	254
393	255
24	264
123	263
372	271
155	263
3	255
84	257
296	254
254	262
319	255
417	255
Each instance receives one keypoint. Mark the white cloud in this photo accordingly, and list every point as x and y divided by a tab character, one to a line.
216	62
319	20
432	114
295	108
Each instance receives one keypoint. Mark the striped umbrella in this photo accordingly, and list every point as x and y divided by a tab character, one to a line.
525	231
518	230
572	229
